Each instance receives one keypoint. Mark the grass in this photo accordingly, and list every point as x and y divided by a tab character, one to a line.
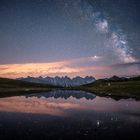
130	88
125	88
10	87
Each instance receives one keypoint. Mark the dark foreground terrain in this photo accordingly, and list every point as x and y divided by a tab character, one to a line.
115	87
121	87
11	87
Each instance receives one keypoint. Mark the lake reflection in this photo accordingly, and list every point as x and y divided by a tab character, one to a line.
65	94
68	114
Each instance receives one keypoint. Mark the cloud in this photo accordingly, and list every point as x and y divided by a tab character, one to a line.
80	66
35	69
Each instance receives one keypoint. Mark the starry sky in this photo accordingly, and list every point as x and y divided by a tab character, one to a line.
69	37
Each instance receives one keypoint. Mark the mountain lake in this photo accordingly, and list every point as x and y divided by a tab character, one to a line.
65	114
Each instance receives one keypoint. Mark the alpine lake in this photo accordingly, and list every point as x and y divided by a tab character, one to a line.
68	114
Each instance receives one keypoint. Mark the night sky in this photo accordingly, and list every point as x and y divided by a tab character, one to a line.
69	37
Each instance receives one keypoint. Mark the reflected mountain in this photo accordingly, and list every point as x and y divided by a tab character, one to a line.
42	116
65	94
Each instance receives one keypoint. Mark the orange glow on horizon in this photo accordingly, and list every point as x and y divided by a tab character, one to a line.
37	69
71	68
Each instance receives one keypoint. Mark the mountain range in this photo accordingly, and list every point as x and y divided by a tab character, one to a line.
60	81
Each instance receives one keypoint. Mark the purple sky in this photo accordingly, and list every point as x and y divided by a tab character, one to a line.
69	37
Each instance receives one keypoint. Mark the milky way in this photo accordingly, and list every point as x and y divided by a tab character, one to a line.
117	41
89	36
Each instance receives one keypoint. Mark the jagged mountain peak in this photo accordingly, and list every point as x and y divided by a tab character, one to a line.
64	81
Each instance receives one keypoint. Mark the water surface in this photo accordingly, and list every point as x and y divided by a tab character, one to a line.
68	115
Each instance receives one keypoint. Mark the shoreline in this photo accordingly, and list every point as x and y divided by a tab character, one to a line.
117	89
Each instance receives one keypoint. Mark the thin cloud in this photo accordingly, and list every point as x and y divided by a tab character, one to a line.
80	66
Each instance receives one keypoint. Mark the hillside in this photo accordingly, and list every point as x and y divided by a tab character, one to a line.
114	86
129	87
11	86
